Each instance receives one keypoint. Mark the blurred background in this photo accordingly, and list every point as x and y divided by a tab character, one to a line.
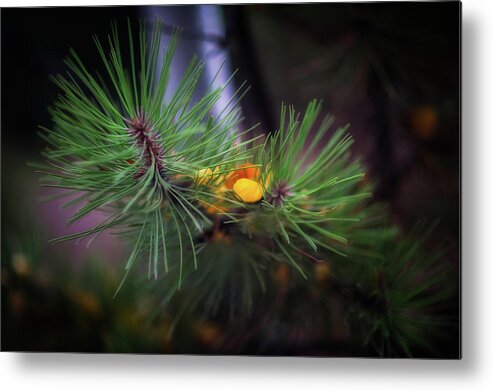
391	70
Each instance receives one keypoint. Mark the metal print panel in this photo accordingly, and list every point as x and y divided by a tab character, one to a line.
232	179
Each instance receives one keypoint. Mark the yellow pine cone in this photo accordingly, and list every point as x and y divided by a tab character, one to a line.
244	181
205	175
248	190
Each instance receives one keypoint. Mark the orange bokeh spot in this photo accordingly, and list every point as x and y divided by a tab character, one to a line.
244	171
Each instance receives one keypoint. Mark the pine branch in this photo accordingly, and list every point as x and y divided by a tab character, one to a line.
130	151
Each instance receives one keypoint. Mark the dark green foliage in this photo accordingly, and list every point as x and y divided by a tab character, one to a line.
403	302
